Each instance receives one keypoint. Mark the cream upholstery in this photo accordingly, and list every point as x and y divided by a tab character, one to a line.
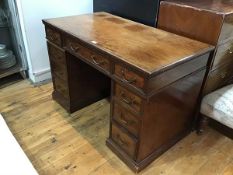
218	105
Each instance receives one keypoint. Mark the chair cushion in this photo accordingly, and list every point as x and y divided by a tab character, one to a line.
219	105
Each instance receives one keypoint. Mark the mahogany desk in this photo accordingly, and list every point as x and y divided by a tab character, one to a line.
154	78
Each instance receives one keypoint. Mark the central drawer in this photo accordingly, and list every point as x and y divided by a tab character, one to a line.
88	54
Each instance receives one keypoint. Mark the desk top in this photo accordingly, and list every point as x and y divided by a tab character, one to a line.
143	47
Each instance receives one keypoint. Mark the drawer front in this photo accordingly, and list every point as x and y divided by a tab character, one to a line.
53	36
128	98
60	70
128	76
57	61
61	87
218	78
56	54
95	58
227	28
125	142
126	119
224	54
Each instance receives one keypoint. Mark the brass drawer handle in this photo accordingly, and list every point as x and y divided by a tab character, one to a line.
120	141
95	62
126	100
123	120
130	81
74	48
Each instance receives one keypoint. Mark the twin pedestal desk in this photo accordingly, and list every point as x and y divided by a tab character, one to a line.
154	79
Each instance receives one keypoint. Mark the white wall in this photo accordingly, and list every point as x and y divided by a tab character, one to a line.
31	13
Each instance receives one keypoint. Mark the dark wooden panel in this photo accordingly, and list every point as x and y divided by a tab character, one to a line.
171	113
177	73
141	11
221	128
86	84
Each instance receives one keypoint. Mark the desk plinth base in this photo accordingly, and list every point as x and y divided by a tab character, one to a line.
137	167
123	156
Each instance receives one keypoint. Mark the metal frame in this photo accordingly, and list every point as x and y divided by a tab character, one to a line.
17	41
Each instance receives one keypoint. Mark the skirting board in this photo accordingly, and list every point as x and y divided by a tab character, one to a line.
41	77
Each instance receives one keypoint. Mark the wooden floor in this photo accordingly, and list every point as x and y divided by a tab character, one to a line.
58	143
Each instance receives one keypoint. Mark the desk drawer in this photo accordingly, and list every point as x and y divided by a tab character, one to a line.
133	101
53	36
218	78
95	58
128	76
60	70
61	86
125	142
224	54
56	54
126	119
57	61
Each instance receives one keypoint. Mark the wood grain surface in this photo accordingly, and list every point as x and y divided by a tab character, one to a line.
144	47
63	144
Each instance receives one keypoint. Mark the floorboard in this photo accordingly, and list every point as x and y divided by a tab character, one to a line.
63	144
